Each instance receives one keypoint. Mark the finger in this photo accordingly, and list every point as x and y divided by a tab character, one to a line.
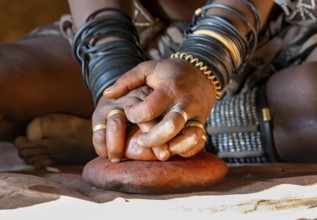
132	150
99	139
116	133
20	142
165	130
23	144
188	139
154	105
199	147
161	152
32	152
27	149
132	79
40	161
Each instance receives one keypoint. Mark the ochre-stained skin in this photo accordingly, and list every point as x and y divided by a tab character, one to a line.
177	175
185	145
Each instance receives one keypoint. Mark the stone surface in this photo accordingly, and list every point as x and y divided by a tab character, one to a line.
173	176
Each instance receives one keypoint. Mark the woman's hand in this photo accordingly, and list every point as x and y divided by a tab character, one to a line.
180	92
132	150
110	129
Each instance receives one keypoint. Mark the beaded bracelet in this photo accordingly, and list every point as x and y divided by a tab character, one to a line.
202	67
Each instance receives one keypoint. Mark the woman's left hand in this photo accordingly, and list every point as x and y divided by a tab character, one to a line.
181	92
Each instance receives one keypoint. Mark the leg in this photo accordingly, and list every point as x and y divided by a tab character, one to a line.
291	95
57	139
39	77
235	127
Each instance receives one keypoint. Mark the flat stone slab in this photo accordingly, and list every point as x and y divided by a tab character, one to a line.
177	175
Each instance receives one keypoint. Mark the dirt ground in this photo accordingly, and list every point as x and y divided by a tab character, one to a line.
270	191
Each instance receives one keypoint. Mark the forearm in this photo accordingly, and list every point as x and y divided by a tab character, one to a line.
106	43
81	9
223	35
263	7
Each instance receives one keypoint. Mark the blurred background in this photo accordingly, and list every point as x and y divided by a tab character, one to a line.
18	17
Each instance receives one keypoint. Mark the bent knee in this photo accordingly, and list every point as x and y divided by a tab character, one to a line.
295	86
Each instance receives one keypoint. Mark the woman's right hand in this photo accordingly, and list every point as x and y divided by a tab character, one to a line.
113	133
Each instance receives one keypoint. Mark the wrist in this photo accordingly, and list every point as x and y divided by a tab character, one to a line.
218	44
106	46
203	68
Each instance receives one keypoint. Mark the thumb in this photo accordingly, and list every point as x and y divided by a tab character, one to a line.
132	79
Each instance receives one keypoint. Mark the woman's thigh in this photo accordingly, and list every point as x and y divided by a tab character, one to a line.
292	99
38	76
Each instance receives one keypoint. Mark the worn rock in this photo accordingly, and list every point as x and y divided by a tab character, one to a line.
176	175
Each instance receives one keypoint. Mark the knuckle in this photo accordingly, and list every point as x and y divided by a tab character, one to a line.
140	114
99	138
145	91
168	128
115	124
131	117
195	139
149	112
170	90
121	79
191	140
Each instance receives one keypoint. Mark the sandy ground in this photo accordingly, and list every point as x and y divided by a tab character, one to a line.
271	191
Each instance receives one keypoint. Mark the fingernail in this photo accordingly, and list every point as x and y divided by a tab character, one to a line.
140	143
164	155
115	160
128	107
109	88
